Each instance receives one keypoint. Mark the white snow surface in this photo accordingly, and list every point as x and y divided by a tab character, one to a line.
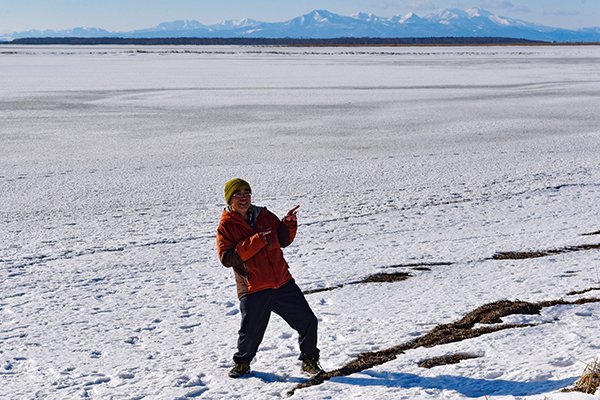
112	165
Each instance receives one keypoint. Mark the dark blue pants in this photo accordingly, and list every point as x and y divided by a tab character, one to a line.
289	303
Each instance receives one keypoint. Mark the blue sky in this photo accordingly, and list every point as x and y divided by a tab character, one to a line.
123	15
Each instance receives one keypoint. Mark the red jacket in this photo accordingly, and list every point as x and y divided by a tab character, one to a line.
258	262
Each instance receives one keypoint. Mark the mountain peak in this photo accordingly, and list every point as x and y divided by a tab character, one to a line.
367	17
318	17
180	24
410	17
321	13
478	12
452	13
238	23
322	24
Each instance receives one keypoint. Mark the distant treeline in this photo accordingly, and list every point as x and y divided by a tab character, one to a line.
345	41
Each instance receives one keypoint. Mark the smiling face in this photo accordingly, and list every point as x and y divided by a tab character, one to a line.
240	201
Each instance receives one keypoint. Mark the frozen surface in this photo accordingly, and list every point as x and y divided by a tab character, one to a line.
112	163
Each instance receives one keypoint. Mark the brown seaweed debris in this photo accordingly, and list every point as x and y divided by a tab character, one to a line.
382	277
447	359
419	265
576	292
589	381
522	255
591	233
446	333
375	278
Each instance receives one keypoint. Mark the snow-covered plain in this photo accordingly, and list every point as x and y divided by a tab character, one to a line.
112	163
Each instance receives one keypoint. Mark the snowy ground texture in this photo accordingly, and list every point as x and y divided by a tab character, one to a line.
112	163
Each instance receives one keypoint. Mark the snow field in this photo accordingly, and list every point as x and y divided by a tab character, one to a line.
111	173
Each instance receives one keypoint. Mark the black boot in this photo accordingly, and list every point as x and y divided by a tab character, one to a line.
239	370
311	367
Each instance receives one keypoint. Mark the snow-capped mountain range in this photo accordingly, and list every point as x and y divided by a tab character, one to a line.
474	22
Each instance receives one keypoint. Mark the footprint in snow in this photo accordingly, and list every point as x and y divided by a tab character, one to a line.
8	366
132	340
584	314
562	361
67	371
193	394
190	327
184	381
126	375
234	311
98	380
494	375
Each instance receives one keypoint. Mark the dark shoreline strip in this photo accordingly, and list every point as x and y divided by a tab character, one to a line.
291	42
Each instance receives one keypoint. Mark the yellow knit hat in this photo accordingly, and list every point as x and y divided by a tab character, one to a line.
233	186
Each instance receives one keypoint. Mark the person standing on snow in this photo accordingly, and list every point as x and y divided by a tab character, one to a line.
249	240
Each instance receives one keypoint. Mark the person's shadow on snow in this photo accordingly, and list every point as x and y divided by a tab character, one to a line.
269	377
469	387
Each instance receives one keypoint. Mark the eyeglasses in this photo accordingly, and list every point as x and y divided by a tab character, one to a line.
239	195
